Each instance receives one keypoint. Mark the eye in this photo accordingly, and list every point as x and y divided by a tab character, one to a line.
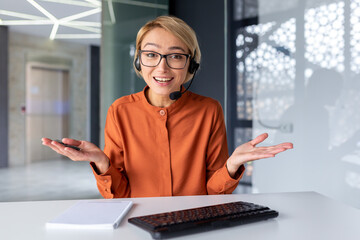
177	56
151	55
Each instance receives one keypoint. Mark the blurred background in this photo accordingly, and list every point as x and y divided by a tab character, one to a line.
286	67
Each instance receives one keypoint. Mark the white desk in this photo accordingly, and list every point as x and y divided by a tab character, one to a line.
305	215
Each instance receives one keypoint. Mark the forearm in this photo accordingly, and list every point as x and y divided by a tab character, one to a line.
233	169
102	165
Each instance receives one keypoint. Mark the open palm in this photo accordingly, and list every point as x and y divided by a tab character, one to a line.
249	152
89	151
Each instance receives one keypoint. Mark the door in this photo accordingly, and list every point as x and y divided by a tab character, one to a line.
47	109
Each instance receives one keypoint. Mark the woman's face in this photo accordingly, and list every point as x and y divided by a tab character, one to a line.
163	80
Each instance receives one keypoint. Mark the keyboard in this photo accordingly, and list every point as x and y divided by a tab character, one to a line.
188	221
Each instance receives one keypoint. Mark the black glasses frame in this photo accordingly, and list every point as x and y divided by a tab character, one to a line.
164	56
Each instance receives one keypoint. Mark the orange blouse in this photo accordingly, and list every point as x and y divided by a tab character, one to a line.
154	151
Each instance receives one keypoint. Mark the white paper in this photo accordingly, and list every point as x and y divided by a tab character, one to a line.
98	214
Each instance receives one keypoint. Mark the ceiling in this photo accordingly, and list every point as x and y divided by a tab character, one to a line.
68	20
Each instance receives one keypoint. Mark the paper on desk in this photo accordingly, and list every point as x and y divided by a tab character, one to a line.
93	214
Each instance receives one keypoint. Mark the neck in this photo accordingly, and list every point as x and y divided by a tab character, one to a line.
158	100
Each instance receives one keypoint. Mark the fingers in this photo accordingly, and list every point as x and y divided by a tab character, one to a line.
256	153
266	153
66	141
58	147
50	144
46	141
259	139
287	145
61	149
274	149
259	154
264	136
70	141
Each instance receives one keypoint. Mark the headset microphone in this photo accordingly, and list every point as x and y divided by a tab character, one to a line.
176	95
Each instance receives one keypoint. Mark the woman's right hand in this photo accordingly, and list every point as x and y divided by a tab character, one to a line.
89	152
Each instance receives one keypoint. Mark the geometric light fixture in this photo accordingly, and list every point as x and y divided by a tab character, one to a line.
92	29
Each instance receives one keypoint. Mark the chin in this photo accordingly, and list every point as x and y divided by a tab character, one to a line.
160	92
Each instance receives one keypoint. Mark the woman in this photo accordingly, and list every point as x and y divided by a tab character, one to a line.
156	146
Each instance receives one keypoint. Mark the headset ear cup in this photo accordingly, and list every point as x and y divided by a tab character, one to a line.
137	64
193	66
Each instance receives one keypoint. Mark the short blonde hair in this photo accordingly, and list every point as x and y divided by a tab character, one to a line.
178	28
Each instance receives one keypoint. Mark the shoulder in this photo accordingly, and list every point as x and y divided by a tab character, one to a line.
127	101
204	102
206	108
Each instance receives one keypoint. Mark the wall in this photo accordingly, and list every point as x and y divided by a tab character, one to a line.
24	48
94	96
4	95
207	20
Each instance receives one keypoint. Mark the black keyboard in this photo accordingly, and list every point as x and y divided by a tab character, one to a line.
187	221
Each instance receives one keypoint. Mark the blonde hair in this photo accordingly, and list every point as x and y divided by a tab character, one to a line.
178	28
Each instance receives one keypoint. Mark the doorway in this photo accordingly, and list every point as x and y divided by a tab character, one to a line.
47	108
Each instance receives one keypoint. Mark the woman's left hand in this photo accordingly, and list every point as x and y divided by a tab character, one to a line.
249	152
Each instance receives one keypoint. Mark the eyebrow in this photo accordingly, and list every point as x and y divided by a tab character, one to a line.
176	48
170	48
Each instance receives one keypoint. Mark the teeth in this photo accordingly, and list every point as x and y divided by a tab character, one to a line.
162	79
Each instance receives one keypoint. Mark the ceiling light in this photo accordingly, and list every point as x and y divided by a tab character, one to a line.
43	10
143	4
80	15
54	31
74	3
84	28
96	3
77	36
26	22
94	28
111	11
20	15
83	23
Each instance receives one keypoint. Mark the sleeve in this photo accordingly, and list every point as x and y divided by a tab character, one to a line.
114	183
218	179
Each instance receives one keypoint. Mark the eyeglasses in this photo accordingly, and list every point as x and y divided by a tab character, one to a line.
173	60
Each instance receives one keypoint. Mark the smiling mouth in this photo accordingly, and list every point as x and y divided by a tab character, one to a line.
162	80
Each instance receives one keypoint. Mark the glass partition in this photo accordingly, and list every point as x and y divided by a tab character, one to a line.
306	90
121	21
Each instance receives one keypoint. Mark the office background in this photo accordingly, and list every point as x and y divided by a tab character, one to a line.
289	68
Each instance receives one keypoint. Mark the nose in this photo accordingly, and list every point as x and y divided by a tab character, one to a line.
163	64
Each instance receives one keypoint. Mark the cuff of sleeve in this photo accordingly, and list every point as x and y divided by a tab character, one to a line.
222	183
95	170
238	175
231	183
103	181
